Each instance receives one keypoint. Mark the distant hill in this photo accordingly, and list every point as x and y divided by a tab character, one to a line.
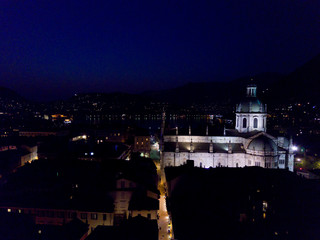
303	84
8	94
214	92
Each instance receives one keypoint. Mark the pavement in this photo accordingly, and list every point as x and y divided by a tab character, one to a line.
164	222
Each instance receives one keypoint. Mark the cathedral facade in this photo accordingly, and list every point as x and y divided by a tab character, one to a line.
246	145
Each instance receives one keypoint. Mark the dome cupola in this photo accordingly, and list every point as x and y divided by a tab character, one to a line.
251	113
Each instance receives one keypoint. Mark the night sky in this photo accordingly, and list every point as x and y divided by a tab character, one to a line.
51	49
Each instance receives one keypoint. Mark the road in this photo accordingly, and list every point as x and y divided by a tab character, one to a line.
164	224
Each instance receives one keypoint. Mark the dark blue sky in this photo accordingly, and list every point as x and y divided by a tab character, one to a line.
52	49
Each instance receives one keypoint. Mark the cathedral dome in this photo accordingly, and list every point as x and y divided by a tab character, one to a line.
262	143
251	105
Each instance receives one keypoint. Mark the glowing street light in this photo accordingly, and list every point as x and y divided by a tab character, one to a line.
294	148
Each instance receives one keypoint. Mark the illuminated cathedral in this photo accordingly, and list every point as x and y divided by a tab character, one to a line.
247	145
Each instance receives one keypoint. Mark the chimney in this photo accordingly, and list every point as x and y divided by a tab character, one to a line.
191	146
229	147
211	147
177	145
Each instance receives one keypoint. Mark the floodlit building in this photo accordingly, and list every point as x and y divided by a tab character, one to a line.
246	145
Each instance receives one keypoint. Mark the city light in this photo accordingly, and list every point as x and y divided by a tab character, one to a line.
294	148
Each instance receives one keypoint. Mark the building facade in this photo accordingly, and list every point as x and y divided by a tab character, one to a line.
246	145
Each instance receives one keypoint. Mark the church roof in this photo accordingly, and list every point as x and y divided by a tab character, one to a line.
262	143
203	147
236	133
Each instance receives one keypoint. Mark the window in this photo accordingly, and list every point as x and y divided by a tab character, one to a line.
72	214
123	184
255	123
123	194
60	214
237	122
237	165
104	217
41	213
94	216
244	123
149	216
50	214
83	216
257	164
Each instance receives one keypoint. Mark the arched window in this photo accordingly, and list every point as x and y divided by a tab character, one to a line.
237	121
244	123
255	123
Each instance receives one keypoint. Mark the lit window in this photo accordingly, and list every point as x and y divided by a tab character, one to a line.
137	143
83	216
94	216
9	210
147	139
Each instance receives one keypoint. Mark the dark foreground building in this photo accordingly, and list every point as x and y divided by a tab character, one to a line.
242	203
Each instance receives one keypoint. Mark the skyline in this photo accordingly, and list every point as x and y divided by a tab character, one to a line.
51	50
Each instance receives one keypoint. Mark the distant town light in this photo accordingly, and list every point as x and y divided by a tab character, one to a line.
92	153
9	209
